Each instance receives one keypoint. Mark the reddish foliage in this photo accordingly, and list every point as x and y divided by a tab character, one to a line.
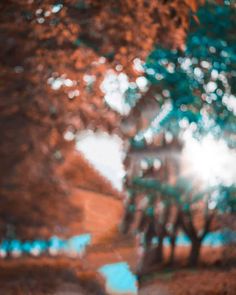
38	47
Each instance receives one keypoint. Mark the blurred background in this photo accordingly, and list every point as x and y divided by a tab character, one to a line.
118	147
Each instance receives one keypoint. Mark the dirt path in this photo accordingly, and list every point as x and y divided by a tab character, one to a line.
211	281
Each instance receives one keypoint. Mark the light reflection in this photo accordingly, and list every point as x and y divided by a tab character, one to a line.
142	83
73	247
114	86
56	8
230	102
138	65
209	160
211	86
89	79
62	81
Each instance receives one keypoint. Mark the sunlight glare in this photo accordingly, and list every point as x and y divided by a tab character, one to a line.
210	160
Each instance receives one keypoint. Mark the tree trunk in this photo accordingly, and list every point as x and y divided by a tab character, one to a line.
150	259
159	251
172	253
195	252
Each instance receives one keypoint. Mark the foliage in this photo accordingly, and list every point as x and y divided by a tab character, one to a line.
199	82
54	56
194	88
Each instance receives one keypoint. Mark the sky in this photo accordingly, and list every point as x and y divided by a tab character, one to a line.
105	153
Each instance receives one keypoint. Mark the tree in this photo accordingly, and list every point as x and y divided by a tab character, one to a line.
190	88
54	57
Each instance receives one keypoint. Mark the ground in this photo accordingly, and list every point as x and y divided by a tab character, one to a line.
192	282
66	276
47	276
